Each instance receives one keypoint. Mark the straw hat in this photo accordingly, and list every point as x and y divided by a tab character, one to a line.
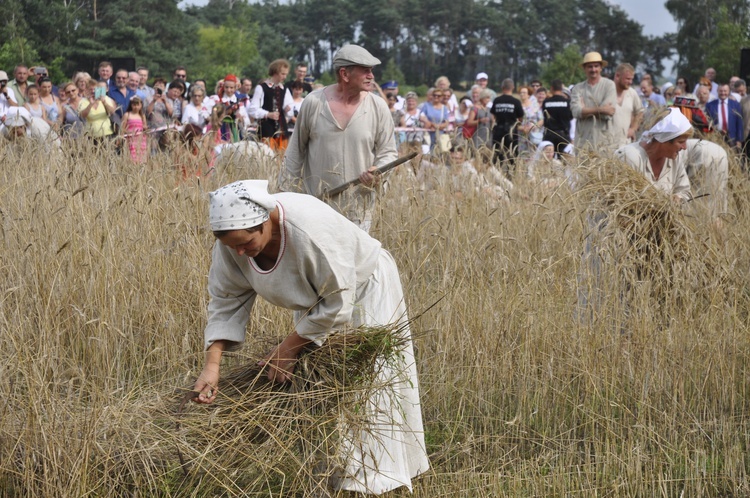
593	57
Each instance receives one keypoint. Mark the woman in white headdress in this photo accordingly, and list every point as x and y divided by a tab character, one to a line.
298	253
657	155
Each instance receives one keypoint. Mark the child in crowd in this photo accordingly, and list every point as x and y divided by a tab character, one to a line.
33	104
135	125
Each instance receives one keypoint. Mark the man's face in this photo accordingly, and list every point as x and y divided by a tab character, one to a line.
121	79
593	70
742	90
711	73
535	86
723	92
624	79
360	78
646	88
105	72
300	72
180	74
134	79
246	87
143	73
21	74
482	83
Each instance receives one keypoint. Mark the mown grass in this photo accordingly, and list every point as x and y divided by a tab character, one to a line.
102	307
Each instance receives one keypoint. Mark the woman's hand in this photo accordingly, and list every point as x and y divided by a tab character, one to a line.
206	385
280	362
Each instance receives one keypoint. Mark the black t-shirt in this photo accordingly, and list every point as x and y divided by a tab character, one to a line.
507	111
557	115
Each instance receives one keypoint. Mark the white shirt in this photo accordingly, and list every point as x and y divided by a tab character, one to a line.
4	104
256	104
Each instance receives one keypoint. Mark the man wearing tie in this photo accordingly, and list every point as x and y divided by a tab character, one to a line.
726	115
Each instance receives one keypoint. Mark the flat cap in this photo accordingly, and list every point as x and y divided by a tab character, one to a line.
354	55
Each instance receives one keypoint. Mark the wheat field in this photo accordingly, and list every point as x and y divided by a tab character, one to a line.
524	392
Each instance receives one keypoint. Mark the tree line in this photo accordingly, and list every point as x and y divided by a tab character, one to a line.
417	40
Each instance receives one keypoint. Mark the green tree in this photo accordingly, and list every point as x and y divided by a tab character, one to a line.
565	66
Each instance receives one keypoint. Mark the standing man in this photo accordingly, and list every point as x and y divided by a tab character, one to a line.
105	73
180	73
143	83
482	80
392	88
593	105
20	83
134	83
121	94
508	112
343	132
726	114
557	118
300	72
629	109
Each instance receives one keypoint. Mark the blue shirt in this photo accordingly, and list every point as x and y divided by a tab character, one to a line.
121	100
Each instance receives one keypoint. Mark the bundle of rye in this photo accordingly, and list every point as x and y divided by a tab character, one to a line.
647	238
285	439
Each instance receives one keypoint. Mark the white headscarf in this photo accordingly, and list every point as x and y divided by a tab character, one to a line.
672	126
539	154
239	205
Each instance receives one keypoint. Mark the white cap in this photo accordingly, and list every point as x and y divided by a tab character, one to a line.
482	76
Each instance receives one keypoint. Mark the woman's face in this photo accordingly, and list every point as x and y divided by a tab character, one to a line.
45	88
174	92
81	84
437	97
549	152
411	104
198	97
475	94
71	91
524	93
681	83
249	242
229	88
297	92
485	101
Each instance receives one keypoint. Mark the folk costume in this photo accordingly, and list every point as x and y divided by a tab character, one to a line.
269	97
333	275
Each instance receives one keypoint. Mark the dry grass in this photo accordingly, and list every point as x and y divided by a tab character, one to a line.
103	299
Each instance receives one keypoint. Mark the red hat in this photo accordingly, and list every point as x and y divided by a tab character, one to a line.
230	77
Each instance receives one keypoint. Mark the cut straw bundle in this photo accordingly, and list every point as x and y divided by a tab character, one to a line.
287	438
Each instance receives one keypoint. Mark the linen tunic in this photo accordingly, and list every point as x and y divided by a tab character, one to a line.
673	179
332	274
624	112
322	155
593	132
708	170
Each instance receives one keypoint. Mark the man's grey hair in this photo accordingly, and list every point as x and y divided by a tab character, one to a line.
739	84
507	84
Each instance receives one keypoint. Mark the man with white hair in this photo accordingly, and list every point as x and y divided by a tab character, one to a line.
343	132
710	74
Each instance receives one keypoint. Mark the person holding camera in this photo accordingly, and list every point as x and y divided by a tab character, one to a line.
20	83
96	112
7	97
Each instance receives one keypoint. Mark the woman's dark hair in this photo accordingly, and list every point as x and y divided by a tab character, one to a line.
160	80
687	83
177	84
221	233
295	85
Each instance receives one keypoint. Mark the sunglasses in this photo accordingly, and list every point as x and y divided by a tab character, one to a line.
180	75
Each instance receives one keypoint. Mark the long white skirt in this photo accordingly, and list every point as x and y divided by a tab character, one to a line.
390	450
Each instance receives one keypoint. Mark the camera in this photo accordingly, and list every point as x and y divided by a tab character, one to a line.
41	71
159	91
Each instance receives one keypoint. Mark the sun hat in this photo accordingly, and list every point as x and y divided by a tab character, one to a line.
593	57
3	76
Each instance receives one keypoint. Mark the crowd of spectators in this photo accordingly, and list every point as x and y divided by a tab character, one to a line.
135	111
